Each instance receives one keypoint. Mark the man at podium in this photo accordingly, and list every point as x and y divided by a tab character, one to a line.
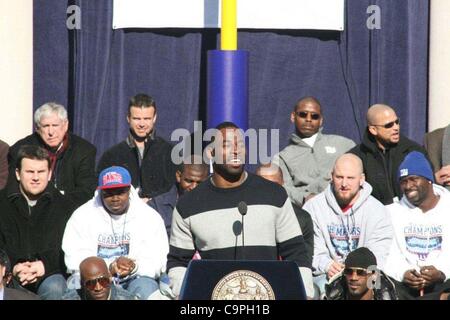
210	219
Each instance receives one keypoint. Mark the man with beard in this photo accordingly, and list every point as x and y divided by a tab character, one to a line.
347	217
192	172
146	156
203	218
420	255
382	150
307	161
361	280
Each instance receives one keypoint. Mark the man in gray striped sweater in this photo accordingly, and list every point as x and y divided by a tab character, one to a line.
203	218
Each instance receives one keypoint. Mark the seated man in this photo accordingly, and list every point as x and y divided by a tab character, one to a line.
192	172
420	255
437	144
273	173
382	150
144	154
118	227
96	283
72	159
361	280
32	219
307	161
7	293
347	217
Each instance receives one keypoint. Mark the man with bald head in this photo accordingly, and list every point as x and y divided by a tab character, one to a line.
272	172
307	161
382	150
96	283
346	217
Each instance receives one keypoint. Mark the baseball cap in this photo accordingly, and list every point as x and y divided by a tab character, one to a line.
114	177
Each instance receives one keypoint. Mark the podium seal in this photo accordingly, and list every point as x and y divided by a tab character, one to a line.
243	285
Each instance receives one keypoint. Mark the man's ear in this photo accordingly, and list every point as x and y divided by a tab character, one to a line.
17	175
362	179
373	130
178	176
293	116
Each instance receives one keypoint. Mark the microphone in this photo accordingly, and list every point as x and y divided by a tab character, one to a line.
242	208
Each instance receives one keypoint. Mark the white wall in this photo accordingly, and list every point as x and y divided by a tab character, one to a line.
439	72
16	69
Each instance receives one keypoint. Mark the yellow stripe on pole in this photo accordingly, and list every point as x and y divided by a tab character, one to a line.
228	38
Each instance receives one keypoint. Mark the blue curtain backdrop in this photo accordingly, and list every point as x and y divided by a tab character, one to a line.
95	70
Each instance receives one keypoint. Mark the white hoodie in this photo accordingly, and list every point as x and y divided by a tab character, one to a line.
420	239
139	234
336	234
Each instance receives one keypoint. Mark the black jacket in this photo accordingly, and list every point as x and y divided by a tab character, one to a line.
154	176
16	294
381	170
337	289
34	233
74	172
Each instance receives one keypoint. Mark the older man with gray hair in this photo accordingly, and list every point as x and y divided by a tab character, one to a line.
72	158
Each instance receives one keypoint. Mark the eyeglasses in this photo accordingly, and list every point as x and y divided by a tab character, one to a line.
361	272
304	115
92	283
389	124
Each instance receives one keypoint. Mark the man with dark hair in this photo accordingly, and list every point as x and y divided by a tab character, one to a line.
9	293
192	172
420	255
32	221
382	150
96	283
361	280
72	159
146	156
307	161
203	218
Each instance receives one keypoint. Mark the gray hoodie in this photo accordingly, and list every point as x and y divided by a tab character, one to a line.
366	224
307	170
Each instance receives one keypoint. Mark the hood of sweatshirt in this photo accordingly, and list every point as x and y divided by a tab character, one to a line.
364	194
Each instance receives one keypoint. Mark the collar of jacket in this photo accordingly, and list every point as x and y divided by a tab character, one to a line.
67	139
132	144
13	191
295	139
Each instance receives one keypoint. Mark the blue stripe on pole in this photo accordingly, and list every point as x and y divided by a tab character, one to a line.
227	98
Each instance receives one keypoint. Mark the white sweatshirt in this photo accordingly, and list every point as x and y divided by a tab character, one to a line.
336	234
138	234
420	239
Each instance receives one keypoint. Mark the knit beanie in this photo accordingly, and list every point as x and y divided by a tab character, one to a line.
360	258
415	164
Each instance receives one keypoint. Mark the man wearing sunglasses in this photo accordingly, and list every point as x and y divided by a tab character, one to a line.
361	280
117	226
382	150
307	161
96	283
420	255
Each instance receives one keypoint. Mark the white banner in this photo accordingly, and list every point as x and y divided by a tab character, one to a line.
251	14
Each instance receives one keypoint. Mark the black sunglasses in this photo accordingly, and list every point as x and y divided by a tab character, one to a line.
92	283
304	115
359	271
389	124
